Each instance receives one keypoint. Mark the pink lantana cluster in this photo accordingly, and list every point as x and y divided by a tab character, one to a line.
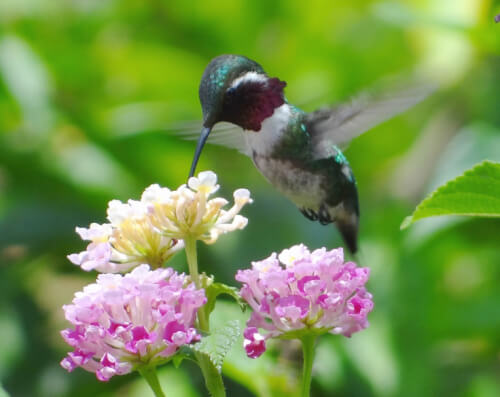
299	292
122	322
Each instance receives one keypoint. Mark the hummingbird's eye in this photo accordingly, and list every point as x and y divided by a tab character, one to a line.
230	91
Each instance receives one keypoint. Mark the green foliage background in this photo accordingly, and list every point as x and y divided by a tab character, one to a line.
87	88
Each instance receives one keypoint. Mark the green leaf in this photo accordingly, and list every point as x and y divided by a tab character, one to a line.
213	290
474	193
216	345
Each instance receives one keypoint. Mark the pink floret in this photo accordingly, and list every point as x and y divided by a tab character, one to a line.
254	342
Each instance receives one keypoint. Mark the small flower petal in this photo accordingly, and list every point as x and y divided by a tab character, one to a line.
254	343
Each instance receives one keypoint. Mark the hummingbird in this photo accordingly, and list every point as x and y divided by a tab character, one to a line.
299	153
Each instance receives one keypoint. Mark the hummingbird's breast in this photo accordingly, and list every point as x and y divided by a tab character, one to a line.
272	131
281	151
300	185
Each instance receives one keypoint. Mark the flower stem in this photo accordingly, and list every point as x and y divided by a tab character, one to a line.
213	378
149	373
308	342
192	260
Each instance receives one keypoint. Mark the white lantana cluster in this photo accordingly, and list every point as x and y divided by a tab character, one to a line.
153	229
189	213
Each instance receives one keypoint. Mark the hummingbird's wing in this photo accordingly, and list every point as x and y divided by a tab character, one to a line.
340	124
222	134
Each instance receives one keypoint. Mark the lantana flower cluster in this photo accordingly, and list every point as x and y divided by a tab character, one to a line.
299	292
139	320
152	229
188	211
125	321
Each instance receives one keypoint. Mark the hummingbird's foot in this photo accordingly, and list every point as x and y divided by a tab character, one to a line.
323	216
309	214
347	225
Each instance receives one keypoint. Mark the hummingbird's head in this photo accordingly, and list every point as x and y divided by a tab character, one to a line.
236	89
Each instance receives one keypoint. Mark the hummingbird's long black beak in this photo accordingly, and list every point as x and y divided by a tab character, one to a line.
205	131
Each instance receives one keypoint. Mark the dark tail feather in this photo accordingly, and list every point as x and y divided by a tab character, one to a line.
349	232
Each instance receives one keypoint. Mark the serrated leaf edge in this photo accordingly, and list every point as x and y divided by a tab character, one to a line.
230	339
411	218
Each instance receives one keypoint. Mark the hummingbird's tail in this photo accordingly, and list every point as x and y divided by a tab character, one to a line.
349	231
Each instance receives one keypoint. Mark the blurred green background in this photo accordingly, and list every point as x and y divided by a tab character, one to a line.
87	90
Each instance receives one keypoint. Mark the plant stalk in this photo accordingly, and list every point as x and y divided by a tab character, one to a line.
308	342
213	378
149	373
192	260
